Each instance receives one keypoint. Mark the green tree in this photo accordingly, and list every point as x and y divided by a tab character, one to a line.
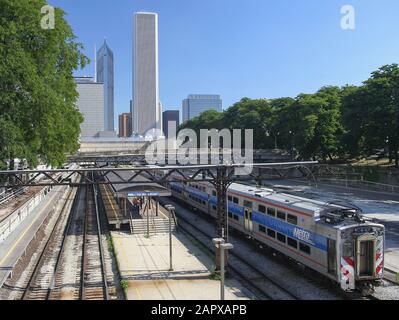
382	90
252	114
39	120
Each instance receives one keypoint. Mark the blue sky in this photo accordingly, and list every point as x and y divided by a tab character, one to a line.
242	48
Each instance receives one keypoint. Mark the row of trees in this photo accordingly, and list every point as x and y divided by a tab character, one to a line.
39	120
333	123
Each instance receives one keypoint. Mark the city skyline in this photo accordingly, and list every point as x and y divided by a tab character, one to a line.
295	51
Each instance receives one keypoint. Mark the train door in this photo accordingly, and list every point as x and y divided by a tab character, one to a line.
248	223
332	256
365	248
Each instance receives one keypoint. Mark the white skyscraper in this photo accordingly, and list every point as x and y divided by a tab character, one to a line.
147	113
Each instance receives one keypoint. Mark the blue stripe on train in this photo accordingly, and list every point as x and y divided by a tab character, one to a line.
291	231
287	229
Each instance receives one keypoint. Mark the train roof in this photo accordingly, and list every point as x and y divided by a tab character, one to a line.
312	207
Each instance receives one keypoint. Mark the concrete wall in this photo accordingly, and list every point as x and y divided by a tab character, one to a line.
111	147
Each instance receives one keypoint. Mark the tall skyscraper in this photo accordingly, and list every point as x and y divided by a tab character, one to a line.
147	111
91	104
105	75
195	104
170	116
125	125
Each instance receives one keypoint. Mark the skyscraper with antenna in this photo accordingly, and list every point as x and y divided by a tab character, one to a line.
104	73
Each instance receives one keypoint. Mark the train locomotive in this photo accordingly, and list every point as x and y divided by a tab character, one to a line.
333	239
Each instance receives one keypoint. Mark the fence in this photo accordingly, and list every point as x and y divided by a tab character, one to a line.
362	184
11	222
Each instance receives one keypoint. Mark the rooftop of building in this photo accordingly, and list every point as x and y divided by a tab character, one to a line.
203	96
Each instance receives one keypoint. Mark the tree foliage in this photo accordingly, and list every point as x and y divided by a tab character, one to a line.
332	123
39	120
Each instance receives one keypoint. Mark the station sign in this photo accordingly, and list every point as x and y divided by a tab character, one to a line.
143	194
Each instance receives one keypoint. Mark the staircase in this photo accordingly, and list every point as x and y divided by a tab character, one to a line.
156	226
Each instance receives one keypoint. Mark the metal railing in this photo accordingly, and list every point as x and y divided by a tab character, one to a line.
363	184
9	196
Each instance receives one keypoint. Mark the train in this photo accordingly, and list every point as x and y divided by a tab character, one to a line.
333	239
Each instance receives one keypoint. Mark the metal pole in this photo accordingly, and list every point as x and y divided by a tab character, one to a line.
170	241
221	272
148	218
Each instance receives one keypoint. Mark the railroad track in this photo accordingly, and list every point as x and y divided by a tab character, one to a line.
40	278
94	284
261	284
76	234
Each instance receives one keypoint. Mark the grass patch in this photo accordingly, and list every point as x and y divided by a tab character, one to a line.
110	242
124	285
215	275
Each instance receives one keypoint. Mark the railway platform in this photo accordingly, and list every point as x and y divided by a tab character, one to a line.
144	265
115	216
14	247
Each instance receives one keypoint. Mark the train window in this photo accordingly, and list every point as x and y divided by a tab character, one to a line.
292	243
304	248
214	208
235	200
230	198
230	215
347	249
248	204
281	215
281	237
271	212
271	233
292	219
262	229
262	209
214	193
236	218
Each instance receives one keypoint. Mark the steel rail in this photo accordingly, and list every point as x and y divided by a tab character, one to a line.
43	253
100	244
243	260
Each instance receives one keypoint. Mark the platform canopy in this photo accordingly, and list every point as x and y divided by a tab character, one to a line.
141	187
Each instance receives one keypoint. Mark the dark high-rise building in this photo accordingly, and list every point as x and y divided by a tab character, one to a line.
170	116
125	125
105	75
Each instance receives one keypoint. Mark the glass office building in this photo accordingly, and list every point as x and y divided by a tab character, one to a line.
195	104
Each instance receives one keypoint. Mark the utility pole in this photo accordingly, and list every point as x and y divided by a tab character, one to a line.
221	186
222	247
170	210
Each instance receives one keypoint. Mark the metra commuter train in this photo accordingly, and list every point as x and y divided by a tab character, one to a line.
330	238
